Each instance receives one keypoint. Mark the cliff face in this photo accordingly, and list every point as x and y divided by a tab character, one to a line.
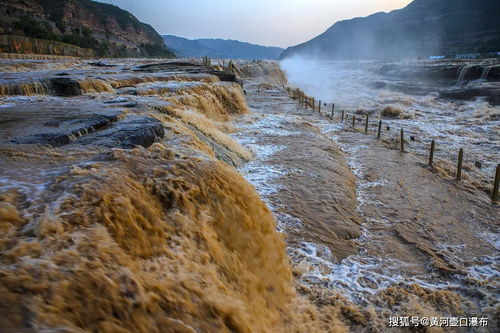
423	28
107	29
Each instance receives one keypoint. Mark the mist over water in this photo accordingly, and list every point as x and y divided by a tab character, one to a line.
332	81
363	87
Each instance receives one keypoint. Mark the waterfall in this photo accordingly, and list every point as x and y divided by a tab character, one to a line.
486	71
461	74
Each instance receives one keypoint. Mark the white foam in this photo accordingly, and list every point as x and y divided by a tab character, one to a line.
263	177
271	125
492	238
30	189
264	151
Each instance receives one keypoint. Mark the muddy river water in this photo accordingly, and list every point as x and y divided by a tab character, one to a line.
123	207
365	220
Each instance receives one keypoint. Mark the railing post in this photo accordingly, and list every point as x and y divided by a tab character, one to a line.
494	194
343	115
459	166
354	120
319	106
402	141
379	129
366	124
333	109
431	155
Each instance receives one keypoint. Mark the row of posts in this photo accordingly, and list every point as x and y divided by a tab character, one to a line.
309	102
206	61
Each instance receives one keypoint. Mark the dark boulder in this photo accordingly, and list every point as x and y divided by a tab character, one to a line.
494	74
224	76
101	64
63	86
140	132
134	130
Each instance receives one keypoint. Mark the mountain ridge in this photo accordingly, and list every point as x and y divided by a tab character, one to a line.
221	48
422	28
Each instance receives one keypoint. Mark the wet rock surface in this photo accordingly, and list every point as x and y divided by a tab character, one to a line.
443	72
53	124
492	93
101	130
65	87
134	130
188	67
99	103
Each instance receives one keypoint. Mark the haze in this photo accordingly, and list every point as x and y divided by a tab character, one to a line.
272	23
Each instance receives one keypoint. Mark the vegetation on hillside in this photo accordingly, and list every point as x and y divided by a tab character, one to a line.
55	28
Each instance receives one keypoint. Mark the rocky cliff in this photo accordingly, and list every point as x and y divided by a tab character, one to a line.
423	28
107	29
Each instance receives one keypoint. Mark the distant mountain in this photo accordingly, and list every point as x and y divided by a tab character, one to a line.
107	29
220	48
188	48
423	28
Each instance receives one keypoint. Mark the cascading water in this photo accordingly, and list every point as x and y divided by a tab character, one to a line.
461	74
486	72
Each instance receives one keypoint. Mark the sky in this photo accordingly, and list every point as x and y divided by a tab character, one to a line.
266	22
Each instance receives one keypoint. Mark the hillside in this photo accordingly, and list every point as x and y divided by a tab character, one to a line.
107	29
188	48
220	48
423	28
